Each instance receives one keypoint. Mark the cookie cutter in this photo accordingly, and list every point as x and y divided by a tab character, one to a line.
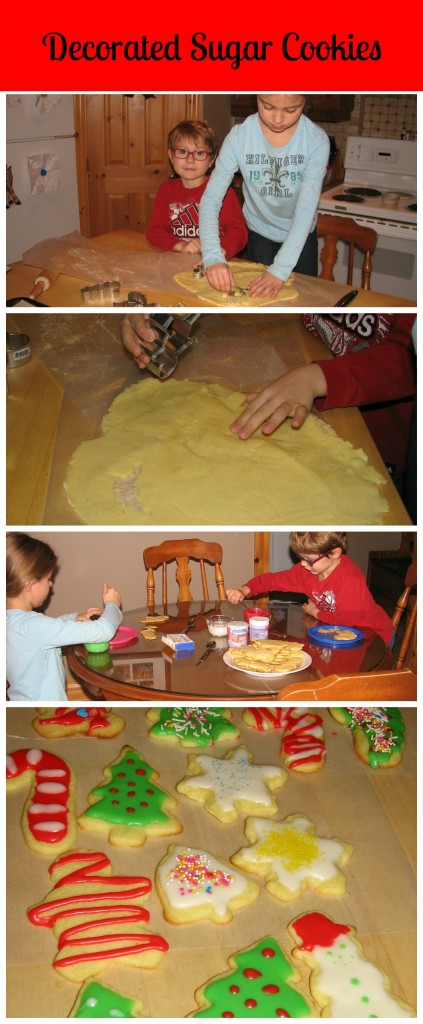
173	338
135	299
198	271
104	291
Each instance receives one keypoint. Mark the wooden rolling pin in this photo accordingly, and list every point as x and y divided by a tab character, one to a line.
44	280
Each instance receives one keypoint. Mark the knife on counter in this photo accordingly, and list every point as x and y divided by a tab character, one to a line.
346	299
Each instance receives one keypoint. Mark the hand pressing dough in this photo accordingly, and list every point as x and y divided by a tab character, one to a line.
244	273
167	456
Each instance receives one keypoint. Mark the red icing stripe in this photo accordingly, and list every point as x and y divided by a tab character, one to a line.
47	814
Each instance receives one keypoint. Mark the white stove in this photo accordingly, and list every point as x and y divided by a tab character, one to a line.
380	191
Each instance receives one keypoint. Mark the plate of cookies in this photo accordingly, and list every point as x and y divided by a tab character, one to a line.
268	659
335	636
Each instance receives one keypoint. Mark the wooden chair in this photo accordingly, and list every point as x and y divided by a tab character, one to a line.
333	228
395	685
181	551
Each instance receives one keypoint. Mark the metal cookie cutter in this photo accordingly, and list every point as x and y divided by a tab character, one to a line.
237	293
104	291
134	299
173	337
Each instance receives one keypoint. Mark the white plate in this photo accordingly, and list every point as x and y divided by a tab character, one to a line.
305	662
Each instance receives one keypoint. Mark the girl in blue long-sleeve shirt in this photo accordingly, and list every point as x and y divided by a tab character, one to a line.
282	157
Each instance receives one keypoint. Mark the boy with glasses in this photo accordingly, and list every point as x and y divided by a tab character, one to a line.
173	226
335	587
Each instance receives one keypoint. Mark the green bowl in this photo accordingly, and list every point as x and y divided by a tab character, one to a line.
97	648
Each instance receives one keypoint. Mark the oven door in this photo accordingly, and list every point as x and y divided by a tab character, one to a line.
394	264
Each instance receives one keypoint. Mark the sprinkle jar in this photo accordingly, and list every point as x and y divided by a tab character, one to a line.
259	627
237	634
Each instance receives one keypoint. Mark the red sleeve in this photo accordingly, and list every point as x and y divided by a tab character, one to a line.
159	231
289	579
382	373
233	230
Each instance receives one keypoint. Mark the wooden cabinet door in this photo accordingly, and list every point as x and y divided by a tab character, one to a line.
122	156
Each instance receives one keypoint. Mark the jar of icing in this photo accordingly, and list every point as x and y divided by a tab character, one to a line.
259	627
237	634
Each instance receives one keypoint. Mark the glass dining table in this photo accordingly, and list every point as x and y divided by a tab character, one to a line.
143	669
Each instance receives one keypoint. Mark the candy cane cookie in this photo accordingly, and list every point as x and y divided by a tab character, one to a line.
57	723
343	982
48	819
302	746
96	917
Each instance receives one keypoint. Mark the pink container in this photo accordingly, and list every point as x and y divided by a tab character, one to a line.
237	634
249	612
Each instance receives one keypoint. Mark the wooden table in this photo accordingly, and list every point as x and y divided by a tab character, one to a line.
373	810
313	292
147	670
84	354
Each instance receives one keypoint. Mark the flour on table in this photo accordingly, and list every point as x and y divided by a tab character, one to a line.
168	457
243	273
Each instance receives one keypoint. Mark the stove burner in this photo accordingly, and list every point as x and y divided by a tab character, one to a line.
348	198
412	207
364	191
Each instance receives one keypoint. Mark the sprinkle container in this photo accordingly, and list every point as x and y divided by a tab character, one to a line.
259	627
237	634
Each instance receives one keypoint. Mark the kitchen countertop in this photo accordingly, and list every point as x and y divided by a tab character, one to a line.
313	292
372	809
84	355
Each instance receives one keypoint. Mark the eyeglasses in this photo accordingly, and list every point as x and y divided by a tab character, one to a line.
312	561
198	154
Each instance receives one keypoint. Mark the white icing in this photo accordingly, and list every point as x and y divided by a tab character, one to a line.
284	849
49	826
92	1001
183	895
34	756
51	773
347	979
11	766
52	788
235	778
43	808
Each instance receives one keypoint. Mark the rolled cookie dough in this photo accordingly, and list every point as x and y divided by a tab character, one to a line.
244	273
167	456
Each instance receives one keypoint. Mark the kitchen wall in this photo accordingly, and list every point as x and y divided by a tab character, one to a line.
385	117
88	559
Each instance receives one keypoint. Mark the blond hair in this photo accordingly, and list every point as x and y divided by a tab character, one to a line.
27	560
318	543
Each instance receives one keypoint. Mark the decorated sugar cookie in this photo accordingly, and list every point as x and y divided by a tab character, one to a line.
193	884
260	984
192	727
48	819
95	1000
378	733
56	723
292	858
233	784
343	982
96	917
128	807
303	746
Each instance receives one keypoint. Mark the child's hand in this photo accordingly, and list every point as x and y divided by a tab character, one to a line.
235	596
291	395
85	616
310	608
194	245
134	329
220	277
265	284
110	594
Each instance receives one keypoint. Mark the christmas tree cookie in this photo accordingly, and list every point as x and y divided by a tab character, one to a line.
97	917
192	727
231	785
129	807
378	734
95	1000
292	858
343	982
303	746
260	984
193	885
57	723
